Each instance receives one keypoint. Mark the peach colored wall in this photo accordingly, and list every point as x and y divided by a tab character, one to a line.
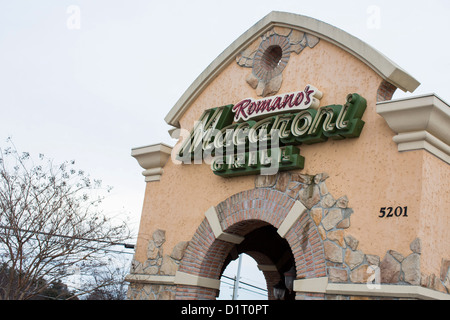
435	217
178	202
369	169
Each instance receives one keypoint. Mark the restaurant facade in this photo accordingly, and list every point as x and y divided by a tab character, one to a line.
289	148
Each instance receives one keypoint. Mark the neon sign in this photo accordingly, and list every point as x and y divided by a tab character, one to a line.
261	136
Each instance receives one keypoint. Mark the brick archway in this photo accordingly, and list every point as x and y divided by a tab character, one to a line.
238	216
312	225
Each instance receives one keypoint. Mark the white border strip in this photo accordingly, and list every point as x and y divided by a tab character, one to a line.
296	211
213	220
316	285
150	279
197	281
321	285
182	278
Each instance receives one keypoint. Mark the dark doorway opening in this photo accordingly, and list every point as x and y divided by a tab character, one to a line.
272	254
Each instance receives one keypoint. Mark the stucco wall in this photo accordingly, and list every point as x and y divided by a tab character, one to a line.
368	170
435	213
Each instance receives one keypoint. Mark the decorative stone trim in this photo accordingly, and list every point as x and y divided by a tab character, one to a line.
297	210
345	263
385	290
316	285
271	57
328	262
152	158
158	263
150	279
322	285
267	267
237	215
274	267
213	220
155	278
420	122
184	278
440	282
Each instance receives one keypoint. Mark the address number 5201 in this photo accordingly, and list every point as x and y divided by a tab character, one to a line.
388	212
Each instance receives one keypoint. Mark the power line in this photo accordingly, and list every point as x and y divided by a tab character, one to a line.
87	247
255	292
246	289
111	243
245	283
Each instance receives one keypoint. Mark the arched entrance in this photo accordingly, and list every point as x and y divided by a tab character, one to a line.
272	227
270	251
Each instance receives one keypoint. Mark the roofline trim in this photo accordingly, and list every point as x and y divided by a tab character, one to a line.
386	68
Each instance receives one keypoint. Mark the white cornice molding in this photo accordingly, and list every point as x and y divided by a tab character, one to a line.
152	158
383	66
420	122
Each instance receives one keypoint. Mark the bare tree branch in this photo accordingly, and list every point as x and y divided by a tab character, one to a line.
50	220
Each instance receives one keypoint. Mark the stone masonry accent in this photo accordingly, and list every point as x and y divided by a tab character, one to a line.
269	57
321	244
157	263
345	263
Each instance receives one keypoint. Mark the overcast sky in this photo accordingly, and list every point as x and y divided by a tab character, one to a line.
91	79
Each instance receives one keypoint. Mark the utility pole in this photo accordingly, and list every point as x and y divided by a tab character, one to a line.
237	278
